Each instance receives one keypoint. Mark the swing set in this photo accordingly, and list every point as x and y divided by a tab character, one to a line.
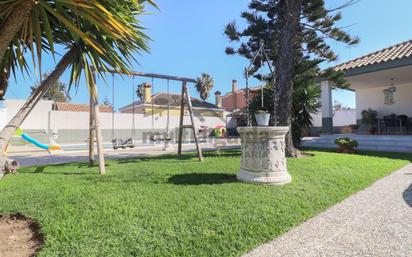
129	142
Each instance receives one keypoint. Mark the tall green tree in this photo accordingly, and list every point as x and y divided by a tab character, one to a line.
292	31
57	92
114	35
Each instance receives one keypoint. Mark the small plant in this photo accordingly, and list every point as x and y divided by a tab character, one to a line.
261	110
346	145
369	117
262	117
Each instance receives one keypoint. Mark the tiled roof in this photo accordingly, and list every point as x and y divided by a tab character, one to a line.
398	51
69	107
174	100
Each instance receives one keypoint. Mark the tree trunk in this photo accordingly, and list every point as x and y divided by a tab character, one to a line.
97	128
8	131
286	62
13	24
91	132
99	138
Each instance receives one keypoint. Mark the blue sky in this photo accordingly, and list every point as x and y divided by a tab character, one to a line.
188	39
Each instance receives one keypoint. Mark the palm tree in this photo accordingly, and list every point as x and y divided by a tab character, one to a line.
204	85
13	14
33	20
108	45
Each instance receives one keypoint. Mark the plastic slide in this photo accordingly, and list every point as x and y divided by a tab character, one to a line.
33	141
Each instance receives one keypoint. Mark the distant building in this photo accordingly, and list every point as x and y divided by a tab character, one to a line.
159	103
236	99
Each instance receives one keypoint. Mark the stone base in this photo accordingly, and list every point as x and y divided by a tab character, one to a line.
274	178
263	158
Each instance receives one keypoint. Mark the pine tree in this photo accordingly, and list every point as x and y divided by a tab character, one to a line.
295	34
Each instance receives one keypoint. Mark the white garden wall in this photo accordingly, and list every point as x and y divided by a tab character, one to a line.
37	119
341	118
72	127
80	120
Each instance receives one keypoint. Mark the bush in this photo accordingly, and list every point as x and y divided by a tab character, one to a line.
346	143
369	117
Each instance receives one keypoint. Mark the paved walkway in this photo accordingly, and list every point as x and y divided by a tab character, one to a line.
30	156
374	222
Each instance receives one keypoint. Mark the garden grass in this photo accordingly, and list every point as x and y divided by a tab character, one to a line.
164	206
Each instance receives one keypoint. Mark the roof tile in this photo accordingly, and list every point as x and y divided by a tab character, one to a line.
69	107
174	101
398	51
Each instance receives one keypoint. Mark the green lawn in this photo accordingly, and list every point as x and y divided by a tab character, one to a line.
165	206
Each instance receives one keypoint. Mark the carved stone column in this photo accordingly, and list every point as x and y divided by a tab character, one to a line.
263	155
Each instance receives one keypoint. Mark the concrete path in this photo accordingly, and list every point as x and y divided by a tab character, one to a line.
374	222
30	156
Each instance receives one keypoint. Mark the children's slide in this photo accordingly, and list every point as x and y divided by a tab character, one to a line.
33	141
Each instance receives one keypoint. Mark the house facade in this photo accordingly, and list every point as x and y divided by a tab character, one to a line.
235	100
382	81
235	103
163	104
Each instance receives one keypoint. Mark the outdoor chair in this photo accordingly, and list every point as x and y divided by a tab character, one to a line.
390	123
409	128
404	123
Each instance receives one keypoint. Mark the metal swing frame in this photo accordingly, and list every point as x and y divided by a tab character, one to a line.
185	101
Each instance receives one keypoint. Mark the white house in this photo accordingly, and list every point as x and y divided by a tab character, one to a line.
381	81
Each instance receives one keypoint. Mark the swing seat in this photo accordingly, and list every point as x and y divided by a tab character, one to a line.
123	143
157	138
153	138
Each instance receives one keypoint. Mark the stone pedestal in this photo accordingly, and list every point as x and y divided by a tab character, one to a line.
263	155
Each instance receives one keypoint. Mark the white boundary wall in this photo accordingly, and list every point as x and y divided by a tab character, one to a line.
43	118
341	118
80	120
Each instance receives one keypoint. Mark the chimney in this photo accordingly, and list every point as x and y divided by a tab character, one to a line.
218	99
234	85
147	93
234	89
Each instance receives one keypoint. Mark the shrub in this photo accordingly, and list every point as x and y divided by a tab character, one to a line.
369	116
346	143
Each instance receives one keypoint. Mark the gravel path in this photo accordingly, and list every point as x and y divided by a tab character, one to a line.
374	222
